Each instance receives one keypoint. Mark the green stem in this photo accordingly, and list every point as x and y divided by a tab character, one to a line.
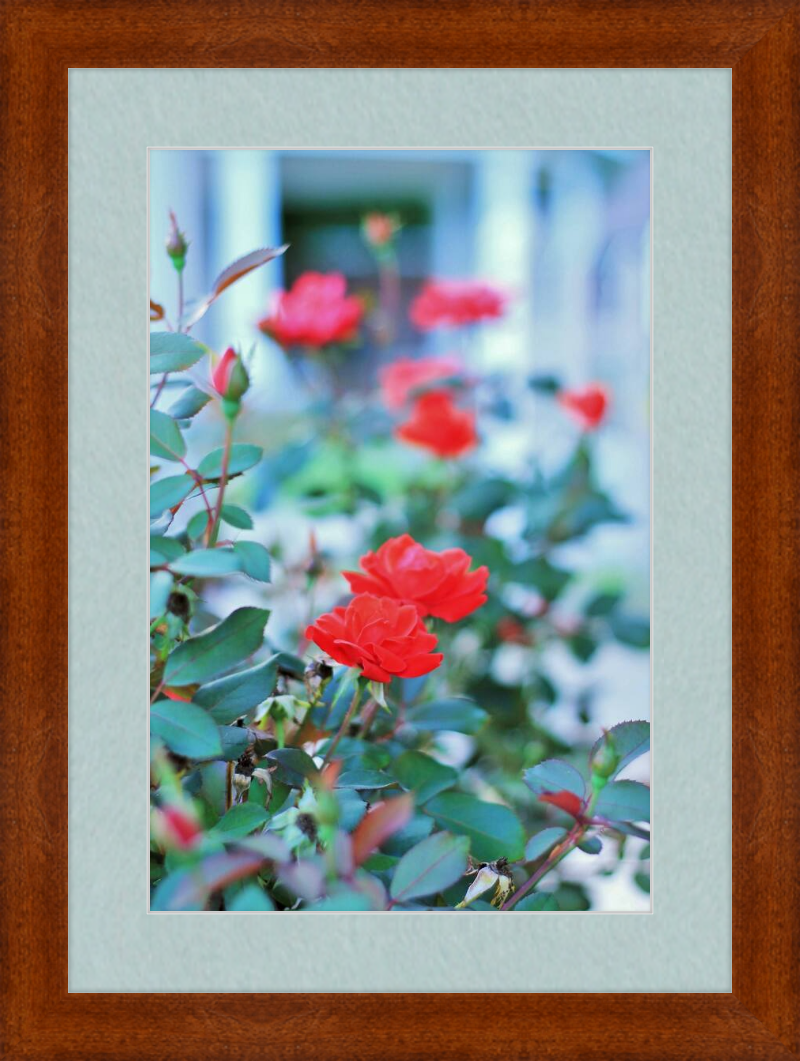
345	723
213	526
560	851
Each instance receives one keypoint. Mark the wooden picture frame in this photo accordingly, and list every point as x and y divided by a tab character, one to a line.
760	41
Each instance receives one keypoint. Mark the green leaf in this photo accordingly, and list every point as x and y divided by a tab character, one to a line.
218	649
601	604
624	801
237	517
364	779
458	714
162	550
230	698
173	352
196	527
543	842
251	897
493	829
190	889
239	821
294	766
166	493
592	845
630	630
166	439
643	881
243	456
422	775
537	901
234	741
630	740
185	729
430	867
208	563
160	589
550	581
254	560
416	829
189	403
343	900
554	775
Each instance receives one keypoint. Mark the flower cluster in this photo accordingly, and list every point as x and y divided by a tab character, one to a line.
382	630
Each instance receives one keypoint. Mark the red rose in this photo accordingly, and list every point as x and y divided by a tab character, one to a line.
587	405
438	584
451	303
438	425
381	636
407	374
314	313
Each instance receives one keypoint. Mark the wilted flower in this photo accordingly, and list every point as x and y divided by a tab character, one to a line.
452	303
381	636
438	425
403	377
315	312
438	584
586	405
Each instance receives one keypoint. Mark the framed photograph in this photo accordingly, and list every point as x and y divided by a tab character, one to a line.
439	425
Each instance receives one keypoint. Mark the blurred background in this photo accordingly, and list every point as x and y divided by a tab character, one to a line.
567	235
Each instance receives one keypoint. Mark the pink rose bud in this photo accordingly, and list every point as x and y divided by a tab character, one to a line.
229	377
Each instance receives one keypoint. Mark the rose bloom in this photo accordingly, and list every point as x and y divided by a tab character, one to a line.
221	374
438	584
315	312
383	637
586	405
438	425
452	303
402	377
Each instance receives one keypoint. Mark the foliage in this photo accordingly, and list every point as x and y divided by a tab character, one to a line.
369	757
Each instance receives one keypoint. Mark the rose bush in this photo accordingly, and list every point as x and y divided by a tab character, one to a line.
369	725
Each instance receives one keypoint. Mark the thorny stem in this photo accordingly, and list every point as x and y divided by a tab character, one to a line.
560	851
345	723
213	526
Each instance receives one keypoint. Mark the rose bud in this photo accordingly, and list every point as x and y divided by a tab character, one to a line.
438	584
587	405
381	636
379	229
176	244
